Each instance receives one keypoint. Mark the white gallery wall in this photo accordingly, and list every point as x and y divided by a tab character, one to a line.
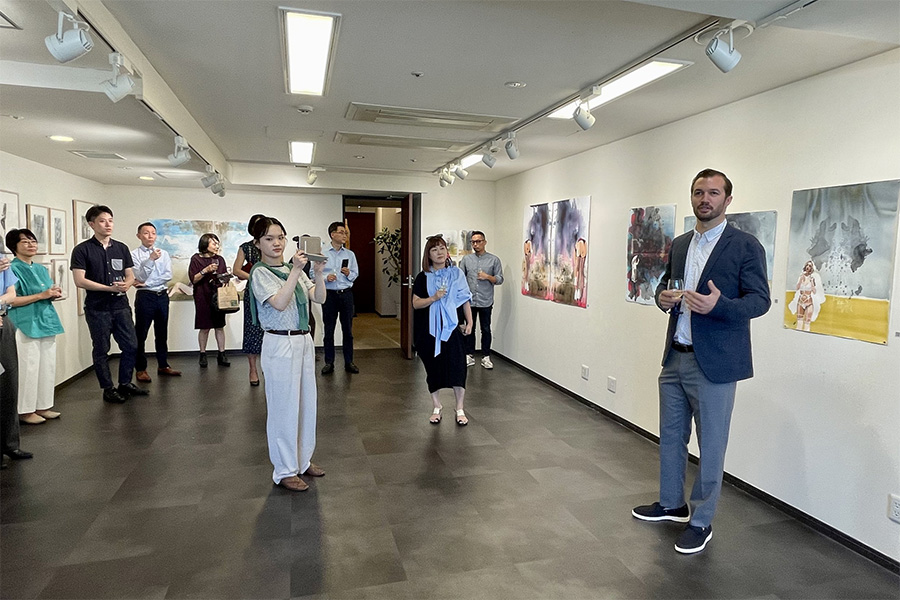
819	425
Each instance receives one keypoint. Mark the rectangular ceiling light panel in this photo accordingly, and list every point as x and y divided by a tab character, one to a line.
309	40
302	152
624	84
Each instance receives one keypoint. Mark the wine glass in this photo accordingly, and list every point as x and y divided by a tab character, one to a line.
116	279
676	286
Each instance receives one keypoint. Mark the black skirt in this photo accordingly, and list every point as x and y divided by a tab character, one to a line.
447	369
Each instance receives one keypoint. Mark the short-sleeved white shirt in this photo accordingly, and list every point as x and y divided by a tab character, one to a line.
265	285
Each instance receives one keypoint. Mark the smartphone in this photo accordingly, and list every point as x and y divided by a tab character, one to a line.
345	263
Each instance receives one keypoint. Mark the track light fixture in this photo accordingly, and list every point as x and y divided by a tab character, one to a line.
218	187
72	44
443	183
459	171
512	146
211	177
182	152
488	159
121	84
583	117
312	174
447	177
726	57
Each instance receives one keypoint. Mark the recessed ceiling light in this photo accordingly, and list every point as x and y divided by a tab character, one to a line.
61	138
417	74
359	157
14	117
515	84
412	160
309	39
305	109
145	178
302	152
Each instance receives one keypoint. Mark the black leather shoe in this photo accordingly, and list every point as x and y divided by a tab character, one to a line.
129	389
328	369
5	462
351	368
18	454
112	395
222	361
203	362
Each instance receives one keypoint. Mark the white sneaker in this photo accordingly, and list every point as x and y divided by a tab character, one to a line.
470	360
486	362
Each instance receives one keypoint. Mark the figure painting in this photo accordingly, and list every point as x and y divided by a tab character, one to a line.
179	238
759	224
650	233
841	260
555	251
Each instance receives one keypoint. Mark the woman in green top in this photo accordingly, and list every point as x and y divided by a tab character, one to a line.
38	325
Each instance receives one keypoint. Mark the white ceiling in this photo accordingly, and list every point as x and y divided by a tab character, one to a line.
222	60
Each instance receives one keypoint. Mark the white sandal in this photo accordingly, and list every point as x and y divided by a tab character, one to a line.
461	419
436	415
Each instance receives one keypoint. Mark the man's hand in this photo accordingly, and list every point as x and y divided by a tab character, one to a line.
346	271
483	276
467	328
119	286
668	299
701	303
155	254
331	277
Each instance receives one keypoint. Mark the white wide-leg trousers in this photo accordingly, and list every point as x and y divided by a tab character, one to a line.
37	372
288	366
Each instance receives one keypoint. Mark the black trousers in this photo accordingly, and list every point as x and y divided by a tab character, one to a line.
102	324
9	387
150	307
338	303
485	314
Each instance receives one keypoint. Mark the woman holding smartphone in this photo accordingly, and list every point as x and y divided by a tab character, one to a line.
279	304
203	271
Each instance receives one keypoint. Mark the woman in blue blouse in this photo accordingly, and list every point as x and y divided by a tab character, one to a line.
38	325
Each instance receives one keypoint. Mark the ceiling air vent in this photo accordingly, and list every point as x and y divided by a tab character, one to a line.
397	115
98	155
396	141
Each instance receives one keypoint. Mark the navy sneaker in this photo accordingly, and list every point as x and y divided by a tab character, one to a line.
693	539
655	512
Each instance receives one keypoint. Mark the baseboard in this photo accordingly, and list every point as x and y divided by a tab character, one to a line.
842	538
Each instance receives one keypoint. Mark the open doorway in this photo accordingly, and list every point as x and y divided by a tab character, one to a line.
377	298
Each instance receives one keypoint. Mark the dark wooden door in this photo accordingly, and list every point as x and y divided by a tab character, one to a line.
408	269
362	232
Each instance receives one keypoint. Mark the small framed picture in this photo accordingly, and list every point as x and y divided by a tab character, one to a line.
57	231
59	273
38	218
9	213
83	231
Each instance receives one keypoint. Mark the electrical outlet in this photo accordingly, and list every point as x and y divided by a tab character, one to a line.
585	372
611	384
894	507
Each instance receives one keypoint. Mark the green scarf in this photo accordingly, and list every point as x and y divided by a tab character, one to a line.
299	295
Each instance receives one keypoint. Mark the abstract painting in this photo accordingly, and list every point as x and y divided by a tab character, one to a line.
180	237
841	260
554	263
9	212
650	233
760	224
38	218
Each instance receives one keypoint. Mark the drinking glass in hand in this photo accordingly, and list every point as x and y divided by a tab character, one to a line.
676	286
116	279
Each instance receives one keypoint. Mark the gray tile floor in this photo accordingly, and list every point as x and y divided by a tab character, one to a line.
170	496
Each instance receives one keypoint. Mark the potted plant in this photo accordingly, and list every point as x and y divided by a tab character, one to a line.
388	244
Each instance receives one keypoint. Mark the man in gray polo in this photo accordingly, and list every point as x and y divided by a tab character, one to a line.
483	271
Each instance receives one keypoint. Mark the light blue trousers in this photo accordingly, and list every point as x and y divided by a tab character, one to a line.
686	393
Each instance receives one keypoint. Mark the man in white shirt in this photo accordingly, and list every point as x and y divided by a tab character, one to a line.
341	271
152	273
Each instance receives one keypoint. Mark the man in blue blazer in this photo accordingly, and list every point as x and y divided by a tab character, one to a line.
707	352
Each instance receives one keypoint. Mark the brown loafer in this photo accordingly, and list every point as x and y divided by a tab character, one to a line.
293	483
314	471
143	377
169	371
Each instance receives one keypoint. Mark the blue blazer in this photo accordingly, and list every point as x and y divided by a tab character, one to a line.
721	338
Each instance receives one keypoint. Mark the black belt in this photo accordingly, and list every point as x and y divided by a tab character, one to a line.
159	293
681	347
287	332
338	291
